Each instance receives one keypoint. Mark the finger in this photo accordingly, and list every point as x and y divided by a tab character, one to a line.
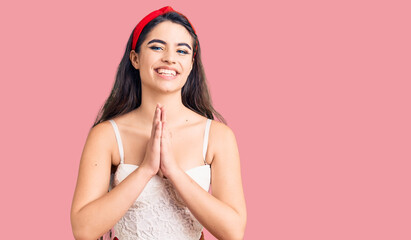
158	132
163	113
162	140
158	116
155	120
156	139
155	113
155	116
166	131
165	134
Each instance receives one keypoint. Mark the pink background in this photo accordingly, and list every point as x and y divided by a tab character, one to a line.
317	93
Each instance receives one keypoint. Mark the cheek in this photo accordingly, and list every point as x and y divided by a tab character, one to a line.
188	66
148	61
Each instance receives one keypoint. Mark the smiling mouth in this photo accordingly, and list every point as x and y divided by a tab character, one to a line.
166	72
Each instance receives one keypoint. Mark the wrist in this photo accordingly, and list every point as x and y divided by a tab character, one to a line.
147	172
172	172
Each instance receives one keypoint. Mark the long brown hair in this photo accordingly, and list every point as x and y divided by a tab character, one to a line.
126	93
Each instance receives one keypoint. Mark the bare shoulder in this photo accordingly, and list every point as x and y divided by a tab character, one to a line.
226	179
102	134
222	139
102	138
94	170
221	132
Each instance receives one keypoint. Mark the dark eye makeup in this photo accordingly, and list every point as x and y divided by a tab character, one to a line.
156	48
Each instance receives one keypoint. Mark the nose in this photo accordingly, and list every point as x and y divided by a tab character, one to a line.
169	57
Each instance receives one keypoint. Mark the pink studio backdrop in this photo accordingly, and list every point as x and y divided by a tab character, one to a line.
317	93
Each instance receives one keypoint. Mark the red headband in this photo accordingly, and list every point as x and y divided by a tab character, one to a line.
148	18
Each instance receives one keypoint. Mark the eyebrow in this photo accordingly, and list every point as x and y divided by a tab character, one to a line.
162	42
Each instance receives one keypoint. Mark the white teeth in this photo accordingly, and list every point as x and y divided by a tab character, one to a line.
166	72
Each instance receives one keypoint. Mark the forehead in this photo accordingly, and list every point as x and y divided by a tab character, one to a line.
170	33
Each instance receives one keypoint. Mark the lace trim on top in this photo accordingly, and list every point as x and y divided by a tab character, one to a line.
159	212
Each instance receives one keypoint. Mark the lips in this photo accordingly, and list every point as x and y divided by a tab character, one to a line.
166	71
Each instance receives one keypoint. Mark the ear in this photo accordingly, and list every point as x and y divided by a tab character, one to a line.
192	64
134	59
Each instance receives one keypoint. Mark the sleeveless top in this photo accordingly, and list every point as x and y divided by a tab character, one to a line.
159	212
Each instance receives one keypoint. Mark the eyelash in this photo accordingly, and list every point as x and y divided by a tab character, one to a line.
184	52
155	48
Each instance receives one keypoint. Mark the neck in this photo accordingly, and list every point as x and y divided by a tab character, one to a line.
171	100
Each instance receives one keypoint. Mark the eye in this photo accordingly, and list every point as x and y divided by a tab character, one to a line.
155	48
182	52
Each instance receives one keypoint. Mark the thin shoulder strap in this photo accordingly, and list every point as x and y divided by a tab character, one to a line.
205	144
120	144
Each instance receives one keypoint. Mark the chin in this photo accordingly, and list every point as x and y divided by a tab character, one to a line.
169	89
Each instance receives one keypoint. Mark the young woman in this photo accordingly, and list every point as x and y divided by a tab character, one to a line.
157	137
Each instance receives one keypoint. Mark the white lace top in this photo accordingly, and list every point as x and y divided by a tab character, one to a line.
159	212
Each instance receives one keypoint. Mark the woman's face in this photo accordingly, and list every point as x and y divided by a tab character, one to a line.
166	57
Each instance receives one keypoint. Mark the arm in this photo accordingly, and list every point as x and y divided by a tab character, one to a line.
223	213
94	211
